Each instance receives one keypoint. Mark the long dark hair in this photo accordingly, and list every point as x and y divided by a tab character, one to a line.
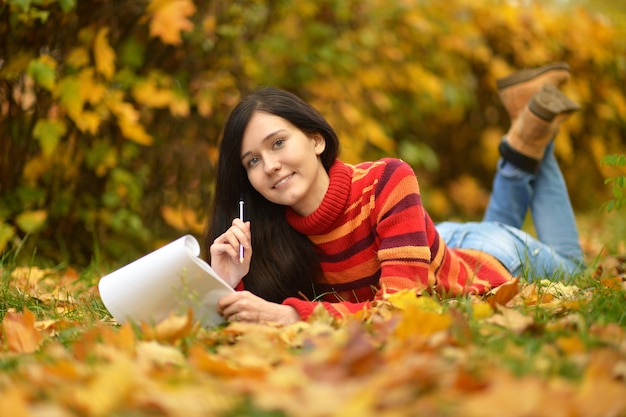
284	263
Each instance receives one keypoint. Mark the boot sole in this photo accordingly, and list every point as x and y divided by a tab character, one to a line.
550	102
528	74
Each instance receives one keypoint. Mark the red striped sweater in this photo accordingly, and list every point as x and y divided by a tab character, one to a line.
373	235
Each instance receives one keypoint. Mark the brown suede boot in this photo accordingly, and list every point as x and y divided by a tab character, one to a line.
516	90
536	126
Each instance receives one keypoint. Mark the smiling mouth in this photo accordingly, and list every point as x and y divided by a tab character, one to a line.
282	181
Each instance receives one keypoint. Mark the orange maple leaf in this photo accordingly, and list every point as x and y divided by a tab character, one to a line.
170	18
20	334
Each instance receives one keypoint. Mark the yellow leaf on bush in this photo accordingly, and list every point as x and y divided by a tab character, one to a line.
78	57
73	91
151	95
104	54
48	132
15	66
19	332
6	233
375	135
42	70
69	94
89	121
121	109
169	18
182	218
173	217
204	102
31	221
91	89
135	132
128	119
179	105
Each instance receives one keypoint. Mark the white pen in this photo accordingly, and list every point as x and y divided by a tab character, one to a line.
241	218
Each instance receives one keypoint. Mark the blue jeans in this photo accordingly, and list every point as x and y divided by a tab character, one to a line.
557	250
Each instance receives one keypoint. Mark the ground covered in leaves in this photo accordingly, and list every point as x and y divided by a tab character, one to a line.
529	349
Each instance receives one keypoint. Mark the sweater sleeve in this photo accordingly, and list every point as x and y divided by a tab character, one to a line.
306	308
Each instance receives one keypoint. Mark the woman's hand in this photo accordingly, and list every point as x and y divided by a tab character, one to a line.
225	253
247	307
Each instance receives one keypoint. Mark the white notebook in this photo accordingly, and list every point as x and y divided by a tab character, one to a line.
171	279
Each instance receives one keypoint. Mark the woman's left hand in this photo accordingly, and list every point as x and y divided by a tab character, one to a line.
247	307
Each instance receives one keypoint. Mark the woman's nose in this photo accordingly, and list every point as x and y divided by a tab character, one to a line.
271	165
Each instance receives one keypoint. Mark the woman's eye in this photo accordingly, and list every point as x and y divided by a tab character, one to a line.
252	162
279	143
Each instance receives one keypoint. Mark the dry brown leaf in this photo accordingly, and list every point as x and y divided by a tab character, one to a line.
153	353
109	388
27	279
52	326
170	329
341	356
123	339
19	332
64	370
219	366
184	400
610	333
527	396
503	294
511	319
13	402
571	345
601	394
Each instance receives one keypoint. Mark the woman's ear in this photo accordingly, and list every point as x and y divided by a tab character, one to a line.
320	143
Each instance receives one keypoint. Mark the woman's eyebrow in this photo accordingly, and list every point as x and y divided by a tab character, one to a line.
269	136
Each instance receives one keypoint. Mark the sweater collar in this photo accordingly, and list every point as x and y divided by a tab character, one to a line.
332	205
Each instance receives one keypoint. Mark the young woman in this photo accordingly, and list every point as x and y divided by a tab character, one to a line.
320	231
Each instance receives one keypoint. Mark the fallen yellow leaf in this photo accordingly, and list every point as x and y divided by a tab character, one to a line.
511	319
14	403
571	345
170	329
154	353
110	386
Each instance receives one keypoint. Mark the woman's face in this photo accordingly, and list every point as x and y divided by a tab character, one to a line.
283	163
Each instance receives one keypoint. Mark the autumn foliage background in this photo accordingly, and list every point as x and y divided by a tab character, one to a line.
110	112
